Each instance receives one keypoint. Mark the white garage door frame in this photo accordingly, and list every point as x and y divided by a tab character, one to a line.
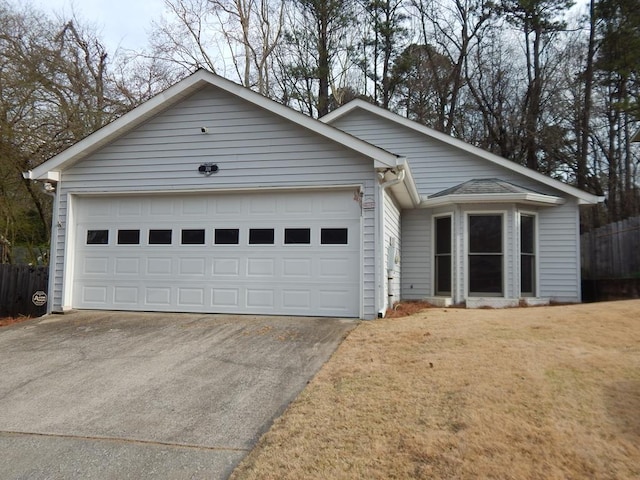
75	199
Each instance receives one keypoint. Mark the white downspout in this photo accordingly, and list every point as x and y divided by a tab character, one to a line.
380	246
51	189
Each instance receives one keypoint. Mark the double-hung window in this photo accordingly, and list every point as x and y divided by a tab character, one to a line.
442	260
527	255
486	254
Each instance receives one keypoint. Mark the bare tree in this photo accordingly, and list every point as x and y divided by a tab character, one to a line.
316	34
452	28
209	33
55	88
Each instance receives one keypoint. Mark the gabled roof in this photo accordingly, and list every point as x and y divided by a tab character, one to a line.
358	104
50	170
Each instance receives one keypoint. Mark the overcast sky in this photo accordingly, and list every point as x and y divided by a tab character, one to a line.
119	23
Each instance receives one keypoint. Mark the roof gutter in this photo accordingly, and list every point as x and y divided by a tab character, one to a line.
403	175
394	181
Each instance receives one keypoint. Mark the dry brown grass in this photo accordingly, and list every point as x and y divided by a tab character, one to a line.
531	393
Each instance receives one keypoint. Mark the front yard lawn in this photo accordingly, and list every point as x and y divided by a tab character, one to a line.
527	393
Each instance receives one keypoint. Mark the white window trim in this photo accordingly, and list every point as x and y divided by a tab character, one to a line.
505	250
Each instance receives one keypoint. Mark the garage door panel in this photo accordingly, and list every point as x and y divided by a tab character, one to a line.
336	268
262	206
226	267
260	298
321	277
158	296
193	266
330	299
261	267
227	208
296	299
225	297
95	265
159	266
194	206
190	297
128	209
127	266
126	295
300	268
95	294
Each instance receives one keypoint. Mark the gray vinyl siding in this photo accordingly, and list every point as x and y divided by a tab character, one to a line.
369	250
436	166
392	230
252	147
416	247
559	253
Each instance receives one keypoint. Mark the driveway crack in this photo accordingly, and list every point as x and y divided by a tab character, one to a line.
126	440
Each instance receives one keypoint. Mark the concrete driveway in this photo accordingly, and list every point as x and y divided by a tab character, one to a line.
109	395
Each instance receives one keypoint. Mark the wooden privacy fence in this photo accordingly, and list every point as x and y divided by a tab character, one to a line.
612	251
23	290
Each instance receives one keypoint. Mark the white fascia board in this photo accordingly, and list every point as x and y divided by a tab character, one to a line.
480	198
636	136
584	198
185	87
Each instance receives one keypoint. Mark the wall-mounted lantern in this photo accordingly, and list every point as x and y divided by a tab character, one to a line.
208	168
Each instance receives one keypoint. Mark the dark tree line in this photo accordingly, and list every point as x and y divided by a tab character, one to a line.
57	85
545	83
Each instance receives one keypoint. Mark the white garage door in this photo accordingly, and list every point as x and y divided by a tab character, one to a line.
263	253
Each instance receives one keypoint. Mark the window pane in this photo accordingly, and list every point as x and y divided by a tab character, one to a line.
128	237
485	274
159	237
485	234
297	235
227	236
97	237
261	236
443	235
527	233
527	274
193	237
443	274
334	236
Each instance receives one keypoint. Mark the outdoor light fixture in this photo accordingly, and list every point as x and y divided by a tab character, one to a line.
208	168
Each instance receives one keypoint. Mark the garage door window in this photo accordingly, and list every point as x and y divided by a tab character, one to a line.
97	237
128	237
193	237
226	236
159	237
261	236
297	235
334	236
